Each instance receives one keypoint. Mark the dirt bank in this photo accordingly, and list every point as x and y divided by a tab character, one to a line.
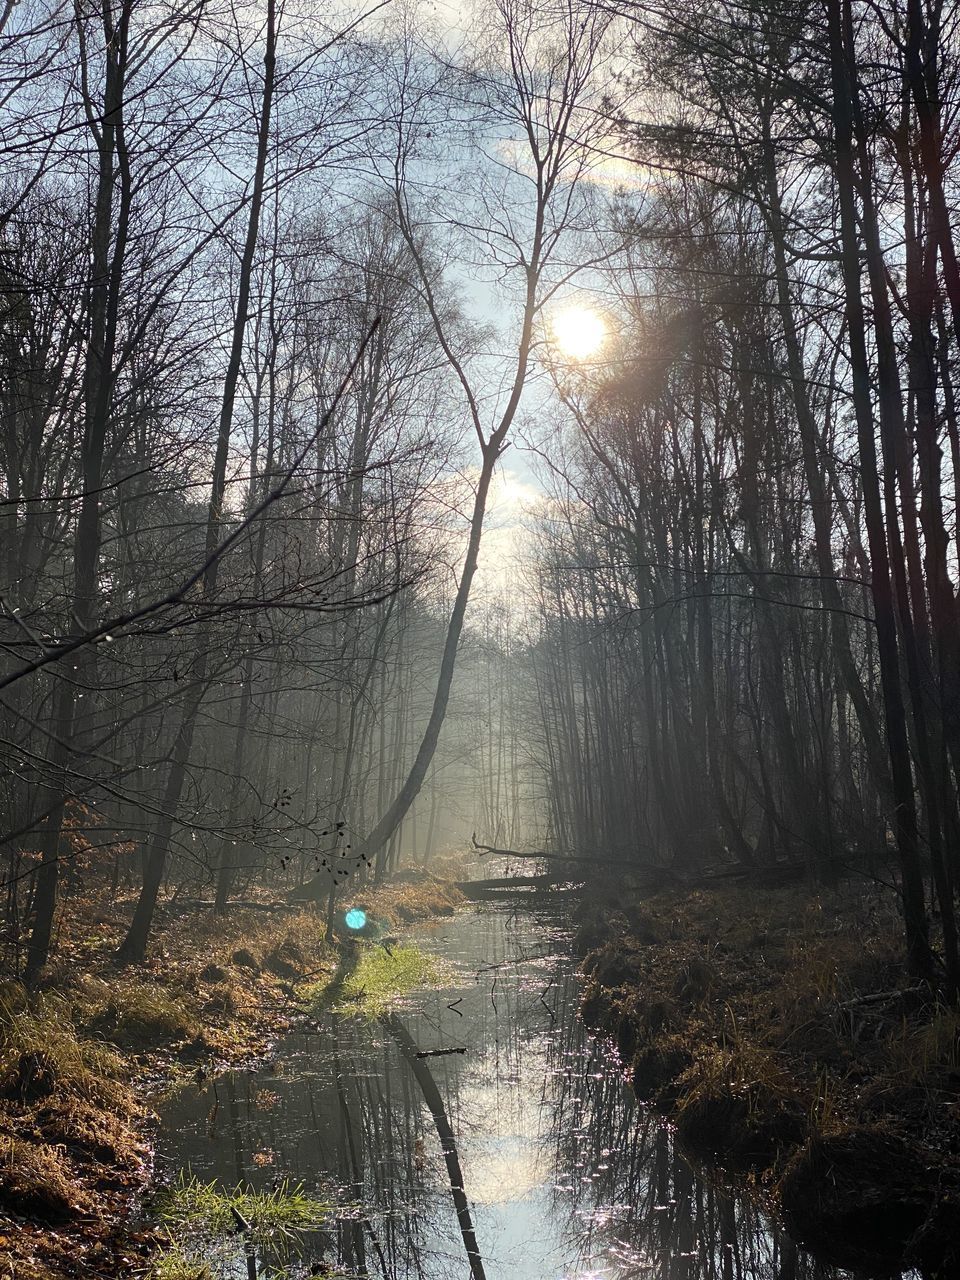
81	1054
773	1029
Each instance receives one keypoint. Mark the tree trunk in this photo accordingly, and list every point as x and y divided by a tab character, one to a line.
904	818
133	948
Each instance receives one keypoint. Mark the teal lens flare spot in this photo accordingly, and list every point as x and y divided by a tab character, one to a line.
355	918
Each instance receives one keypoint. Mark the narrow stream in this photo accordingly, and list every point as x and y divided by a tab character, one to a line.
566	1176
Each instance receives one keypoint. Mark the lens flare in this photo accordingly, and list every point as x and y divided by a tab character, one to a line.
355	918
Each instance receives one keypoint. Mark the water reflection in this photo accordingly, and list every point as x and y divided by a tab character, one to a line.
564	1176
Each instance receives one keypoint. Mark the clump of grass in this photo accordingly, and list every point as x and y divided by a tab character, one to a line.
204	1212
916	1052
62	1090
138	1015
222	999
36	1180
213	973
13	996
42	1055
696	980
657	1068
173	1262
740	1108
286	959
381	976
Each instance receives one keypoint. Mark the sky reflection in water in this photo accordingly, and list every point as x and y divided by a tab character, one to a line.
568	1179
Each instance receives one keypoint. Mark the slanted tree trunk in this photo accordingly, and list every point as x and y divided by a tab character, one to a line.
448	1140
378	839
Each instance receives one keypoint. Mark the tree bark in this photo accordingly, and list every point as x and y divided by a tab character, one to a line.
133	948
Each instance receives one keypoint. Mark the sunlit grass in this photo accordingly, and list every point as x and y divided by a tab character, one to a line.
207	1223
382	976
141	1015
368	981
44	1039
175	1263
284	1211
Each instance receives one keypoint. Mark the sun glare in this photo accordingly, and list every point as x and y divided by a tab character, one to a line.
578	331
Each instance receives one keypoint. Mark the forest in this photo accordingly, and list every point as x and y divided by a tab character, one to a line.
479	476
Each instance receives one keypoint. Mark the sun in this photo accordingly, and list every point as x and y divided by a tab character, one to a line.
578	331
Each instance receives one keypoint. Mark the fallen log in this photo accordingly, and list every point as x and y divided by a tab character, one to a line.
486	849
498	886
882	997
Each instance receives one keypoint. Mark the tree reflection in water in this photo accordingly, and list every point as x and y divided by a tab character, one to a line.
632	1194
567	1178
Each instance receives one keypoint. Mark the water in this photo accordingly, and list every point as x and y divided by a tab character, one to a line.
566	1176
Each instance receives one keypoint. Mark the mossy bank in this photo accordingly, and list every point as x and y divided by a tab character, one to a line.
773	1029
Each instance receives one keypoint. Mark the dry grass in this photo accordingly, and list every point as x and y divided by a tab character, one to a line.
214	989
759	1021
927	1051
740	1107
43	1056
69	1141
36	1179
140	1015
418	900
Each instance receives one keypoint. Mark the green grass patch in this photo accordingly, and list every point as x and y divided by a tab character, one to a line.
382	976
175	1263
192	1209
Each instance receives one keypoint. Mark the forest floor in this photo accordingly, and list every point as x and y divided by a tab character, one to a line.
773	1029
81	1055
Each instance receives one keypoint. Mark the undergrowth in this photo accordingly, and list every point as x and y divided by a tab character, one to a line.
779	1032
141	1015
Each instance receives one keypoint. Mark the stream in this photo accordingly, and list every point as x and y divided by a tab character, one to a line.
566	1176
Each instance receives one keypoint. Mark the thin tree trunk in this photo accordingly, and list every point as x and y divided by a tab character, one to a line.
905	817
133	948
106	274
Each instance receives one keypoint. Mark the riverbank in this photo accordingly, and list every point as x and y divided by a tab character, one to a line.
80	1056
773	1029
